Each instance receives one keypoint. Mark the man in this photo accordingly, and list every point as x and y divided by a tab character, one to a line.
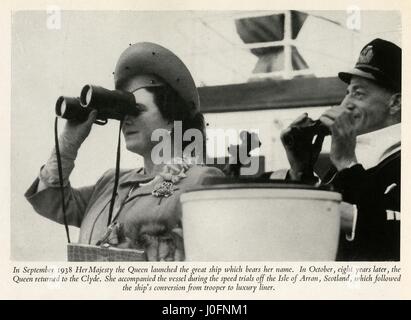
372	105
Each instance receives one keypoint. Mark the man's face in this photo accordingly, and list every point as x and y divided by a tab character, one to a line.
369	103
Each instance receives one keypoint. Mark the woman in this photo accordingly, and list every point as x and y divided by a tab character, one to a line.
147	211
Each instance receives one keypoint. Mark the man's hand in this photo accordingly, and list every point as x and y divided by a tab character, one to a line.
341	122
303	153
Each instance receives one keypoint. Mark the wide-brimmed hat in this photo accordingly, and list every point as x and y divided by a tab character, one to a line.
147	64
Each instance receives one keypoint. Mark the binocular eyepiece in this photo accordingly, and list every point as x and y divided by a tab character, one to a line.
306	130
110	104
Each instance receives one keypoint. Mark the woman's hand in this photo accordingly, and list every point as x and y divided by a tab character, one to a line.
167	247
158	242
74	132
161	244
70	140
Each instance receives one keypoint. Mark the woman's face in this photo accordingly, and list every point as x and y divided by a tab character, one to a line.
137	130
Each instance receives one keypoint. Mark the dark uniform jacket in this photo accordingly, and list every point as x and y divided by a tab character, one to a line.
376	193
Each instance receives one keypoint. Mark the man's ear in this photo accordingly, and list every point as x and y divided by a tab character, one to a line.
395	104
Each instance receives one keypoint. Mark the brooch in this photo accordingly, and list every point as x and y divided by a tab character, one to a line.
163	189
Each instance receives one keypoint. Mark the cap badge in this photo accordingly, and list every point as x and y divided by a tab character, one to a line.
366	55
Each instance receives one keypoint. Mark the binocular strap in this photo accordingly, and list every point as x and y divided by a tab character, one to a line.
60	170
116	177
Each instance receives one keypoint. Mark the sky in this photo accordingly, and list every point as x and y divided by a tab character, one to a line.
47	63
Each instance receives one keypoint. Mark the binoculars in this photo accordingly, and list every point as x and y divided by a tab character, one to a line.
306	130
110	104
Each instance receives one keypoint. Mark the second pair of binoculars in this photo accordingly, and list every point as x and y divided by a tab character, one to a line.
303	131
110	104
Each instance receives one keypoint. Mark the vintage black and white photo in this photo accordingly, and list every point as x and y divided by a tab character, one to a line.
258	135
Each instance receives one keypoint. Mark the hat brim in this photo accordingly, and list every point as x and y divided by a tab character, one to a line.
146	58
346	76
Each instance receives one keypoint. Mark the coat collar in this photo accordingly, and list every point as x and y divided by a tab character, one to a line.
143	184
374	147
135	177
138	179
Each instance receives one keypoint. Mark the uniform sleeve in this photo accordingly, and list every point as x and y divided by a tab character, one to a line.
375	237
353	183
361	188
358	187
284	174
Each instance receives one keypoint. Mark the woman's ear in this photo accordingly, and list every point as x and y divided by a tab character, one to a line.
395	104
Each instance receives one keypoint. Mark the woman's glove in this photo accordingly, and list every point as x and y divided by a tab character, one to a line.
74	134
70	140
